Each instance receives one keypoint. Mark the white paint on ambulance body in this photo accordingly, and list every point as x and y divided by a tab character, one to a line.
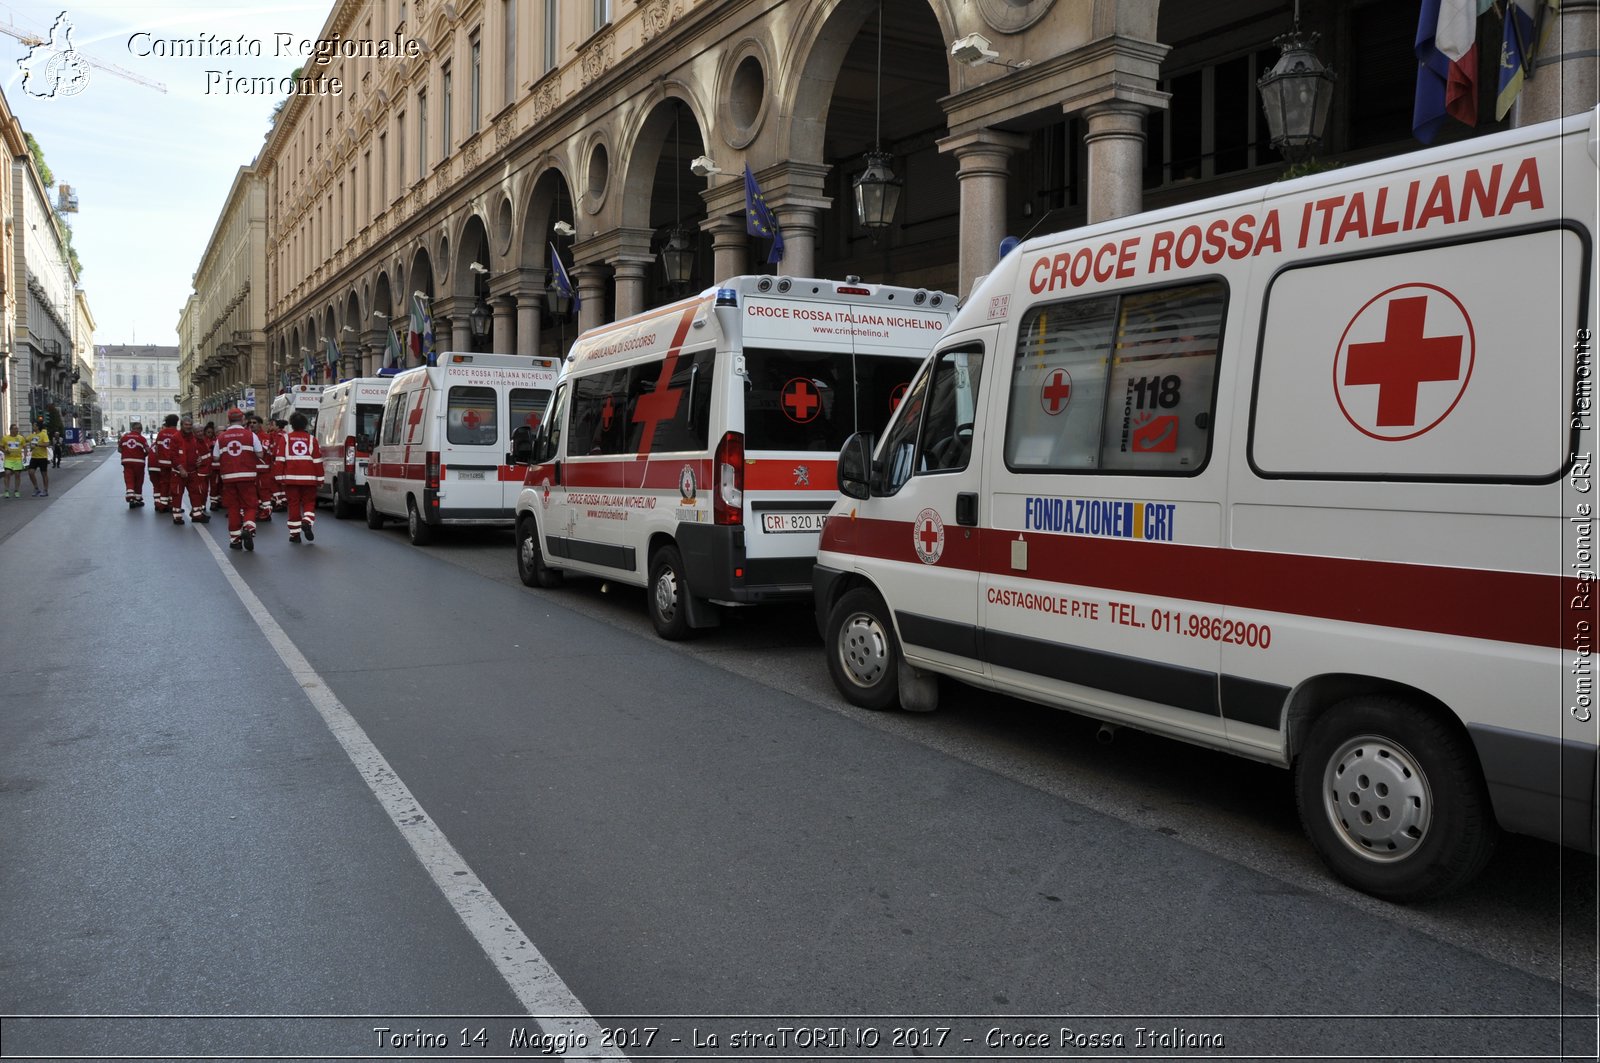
1366	398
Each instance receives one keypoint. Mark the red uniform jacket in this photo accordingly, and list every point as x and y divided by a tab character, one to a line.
166	454
299	458
236	451
189	451
135	448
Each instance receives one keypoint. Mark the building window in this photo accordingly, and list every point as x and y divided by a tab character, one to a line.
400	149
422	133
550	29
446	103
383	170
510	9
602	14
366	166
1213	125
475	85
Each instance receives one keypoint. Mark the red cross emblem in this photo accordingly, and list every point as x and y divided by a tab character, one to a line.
606	413
928	536
416	413
896	397
471	419
1057	391
659	405
800	400
532	420
1404	361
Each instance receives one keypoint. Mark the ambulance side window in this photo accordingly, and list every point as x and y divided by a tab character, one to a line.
599	422
547	443
952	408
472	416
1117	383
392	420
897	458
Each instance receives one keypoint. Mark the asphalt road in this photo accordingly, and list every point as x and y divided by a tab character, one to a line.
699	839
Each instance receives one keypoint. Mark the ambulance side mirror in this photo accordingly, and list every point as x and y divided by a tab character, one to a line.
522	445
855	466
542	451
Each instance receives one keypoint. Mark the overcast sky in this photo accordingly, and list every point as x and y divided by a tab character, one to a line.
151	170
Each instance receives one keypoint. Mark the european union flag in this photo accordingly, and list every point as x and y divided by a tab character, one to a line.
758	217
563	282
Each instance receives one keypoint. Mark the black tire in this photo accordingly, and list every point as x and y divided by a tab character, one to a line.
374	518
667	595
531	568
862	650
1393	799
418	530
343	508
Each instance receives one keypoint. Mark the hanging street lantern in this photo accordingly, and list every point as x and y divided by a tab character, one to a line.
480	319
558	302
877	192
677	257
1296	94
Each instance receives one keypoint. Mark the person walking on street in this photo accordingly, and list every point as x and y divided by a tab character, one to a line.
300	471
200	465
39	460
183	448
161	474
210	440
14	452
135	451
58	444
266	469
236	453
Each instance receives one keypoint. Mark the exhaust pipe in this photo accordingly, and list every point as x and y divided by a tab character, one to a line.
1106	735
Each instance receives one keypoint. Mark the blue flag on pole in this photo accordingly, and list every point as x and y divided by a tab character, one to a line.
563	283
758	217
333	360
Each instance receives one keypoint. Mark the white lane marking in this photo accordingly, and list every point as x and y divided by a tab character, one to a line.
530	976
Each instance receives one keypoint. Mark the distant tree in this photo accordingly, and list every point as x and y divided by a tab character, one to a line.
49	180
38	160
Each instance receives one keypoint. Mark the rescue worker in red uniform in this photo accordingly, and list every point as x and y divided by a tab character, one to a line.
236	454
182	448
214	485
161	467
300	471
135	451
280	497
196	478
266	469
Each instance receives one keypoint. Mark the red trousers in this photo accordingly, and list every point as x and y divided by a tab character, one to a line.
133	480
196	486
302	505
239	499
159	487
266	487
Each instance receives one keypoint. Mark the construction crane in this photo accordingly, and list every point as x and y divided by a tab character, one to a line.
33	40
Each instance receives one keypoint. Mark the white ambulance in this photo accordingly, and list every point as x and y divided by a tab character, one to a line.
300	398
347	430
446	437
691	449
1302	473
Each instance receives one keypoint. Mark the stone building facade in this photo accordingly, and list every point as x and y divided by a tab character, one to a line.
220	329
14	362
136	382
514	129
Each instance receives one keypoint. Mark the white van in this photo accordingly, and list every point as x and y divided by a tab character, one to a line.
445	441
1302	473
691	448
300	398
347	430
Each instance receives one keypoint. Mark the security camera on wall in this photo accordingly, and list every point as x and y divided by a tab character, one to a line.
973	50
702	166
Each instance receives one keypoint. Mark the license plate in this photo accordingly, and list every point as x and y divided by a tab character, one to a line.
793	522
468	474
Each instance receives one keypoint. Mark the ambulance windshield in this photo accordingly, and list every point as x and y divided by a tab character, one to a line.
814	400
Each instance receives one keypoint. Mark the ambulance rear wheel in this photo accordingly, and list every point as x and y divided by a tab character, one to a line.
863	654
531	568
374	518
419	530
343	508
1393	800
668	594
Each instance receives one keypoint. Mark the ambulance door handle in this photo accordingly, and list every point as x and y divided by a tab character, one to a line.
967	509
555	470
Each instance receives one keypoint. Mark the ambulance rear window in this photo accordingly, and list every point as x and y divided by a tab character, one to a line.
527	406
471	417
814	400
1117	383
368	414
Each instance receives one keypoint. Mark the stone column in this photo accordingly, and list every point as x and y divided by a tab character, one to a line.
1564	74
460	334
799	227
505	310
983	166
530	301
631	273
590	280
1116	159
729	256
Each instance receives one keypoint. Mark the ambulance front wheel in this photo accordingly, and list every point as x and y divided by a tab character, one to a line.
1393	800
863	654
374	518
531	568
343	508
668	594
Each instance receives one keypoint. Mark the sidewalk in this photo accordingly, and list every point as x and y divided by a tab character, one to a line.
15	513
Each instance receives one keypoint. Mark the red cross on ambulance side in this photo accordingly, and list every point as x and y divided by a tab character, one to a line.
1404	361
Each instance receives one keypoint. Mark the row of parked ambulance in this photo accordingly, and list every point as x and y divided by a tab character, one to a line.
1301	473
